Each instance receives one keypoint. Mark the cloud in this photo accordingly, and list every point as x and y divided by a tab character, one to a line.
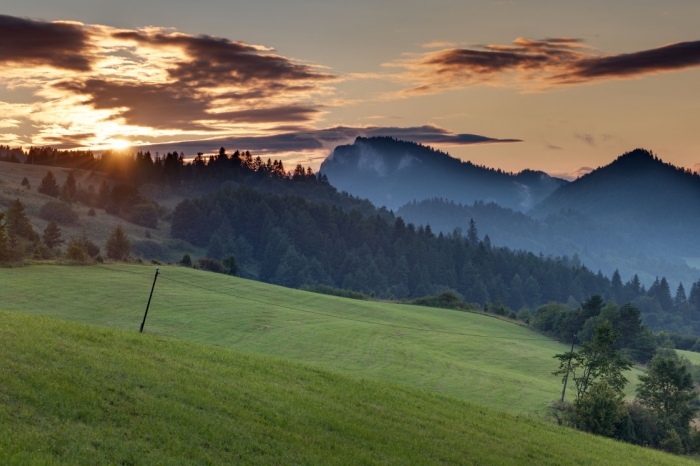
587	138
570	176
60	45
325	139
537	64
94	84
553	147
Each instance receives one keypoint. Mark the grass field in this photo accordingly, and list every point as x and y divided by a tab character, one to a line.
77	394
465	355
691	356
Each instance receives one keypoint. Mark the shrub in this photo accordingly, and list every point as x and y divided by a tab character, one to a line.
672	443
155	261
99	258
61	212
186	260
25	183
212	265
91	212
77	251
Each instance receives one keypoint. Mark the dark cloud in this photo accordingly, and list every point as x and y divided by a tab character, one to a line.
59	45
668	58
163	106
215	61
587	138
310	140
552	61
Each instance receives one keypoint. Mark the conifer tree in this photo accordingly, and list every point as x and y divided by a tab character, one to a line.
52	235
473	233
17	223
69	189
664	295
680	296
617	287
49	186
118	246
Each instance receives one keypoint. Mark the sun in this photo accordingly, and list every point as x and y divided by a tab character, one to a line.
120	144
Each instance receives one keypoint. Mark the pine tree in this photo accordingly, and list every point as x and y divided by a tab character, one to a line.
680	296
473	233
69	189
694	297
49	186
617	287
118	246
52	235
17	223
664	295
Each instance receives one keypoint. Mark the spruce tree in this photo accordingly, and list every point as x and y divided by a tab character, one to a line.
49	186
664	295
69	189
617	287
17	223
473	233
52	235
680	296
118	246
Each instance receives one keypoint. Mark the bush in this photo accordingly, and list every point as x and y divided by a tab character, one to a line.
61	212
672	443
231	265
99	258
212	265
186	260
91	212
155	261
25	183
77	251
148	249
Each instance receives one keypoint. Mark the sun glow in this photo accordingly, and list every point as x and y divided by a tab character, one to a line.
120	144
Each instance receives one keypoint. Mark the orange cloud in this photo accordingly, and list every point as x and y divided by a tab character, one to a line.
95	84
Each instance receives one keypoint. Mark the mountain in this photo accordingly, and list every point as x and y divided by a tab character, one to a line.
391	172
652	204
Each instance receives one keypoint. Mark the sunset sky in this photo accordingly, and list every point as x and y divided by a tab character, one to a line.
551	85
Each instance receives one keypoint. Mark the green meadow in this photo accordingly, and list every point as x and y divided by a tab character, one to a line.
71	393
470	356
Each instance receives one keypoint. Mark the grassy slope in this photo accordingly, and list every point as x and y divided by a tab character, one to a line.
99	227
509	369
78	394
691	356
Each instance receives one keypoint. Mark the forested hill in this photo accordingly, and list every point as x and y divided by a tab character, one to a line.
654	203
391	173
568	232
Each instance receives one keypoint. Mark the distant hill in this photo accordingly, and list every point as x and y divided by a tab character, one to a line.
654	205
391	173
567	233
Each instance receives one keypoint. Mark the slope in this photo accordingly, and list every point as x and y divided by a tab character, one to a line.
470	356
390	173
78	394
653	203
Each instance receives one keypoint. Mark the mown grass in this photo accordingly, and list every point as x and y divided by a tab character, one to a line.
470	356
77	394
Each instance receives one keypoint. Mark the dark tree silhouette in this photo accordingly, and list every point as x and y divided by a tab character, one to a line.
49	186
52	235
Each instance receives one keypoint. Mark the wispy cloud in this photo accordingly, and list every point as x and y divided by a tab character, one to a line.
578	173
537	64
587	138
327	138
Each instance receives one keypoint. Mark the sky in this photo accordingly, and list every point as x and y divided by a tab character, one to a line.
559	86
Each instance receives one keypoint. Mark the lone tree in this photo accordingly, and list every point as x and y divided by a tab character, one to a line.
231	265
52	235
49	186
596	362
118	246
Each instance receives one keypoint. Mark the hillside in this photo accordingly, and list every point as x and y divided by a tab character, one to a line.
145	242
79	394
653	204
471	356
391	173
565	233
